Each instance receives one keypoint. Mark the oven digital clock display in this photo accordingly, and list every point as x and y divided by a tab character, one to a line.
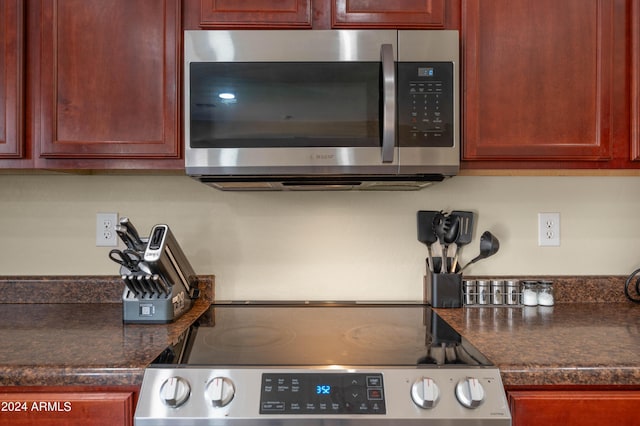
322	393
323	389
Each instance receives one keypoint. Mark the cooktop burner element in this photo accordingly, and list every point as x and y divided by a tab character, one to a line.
266	335
324	364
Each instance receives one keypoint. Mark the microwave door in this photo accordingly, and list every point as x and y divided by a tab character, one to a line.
285	109
287	105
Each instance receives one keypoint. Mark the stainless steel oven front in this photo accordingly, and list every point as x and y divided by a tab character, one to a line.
294	105
329	365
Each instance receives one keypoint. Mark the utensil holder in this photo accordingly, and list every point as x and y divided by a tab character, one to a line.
443	290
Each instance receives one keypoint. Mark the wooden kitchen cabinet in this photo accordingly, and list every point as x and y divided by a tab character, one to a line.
78	406
13	149
321	14
635	81
392	14
255	13
103	89
574	408
546	84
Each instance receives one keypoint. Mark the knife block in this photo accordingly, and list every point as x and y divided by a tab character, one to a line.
155	309
443	290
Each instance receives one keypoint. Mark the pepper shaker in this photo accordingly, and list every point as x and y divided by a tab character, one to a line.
497	290
483	291
470	292
512	294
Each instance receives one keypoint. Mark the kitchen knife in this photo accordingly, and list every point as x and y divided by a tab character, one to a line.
129	285
133	234
160	283
143	285
134	283
155	291
125	237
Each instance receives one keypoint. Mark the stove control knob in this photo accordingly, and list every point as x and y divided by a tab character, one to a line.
220	391
470	392
175	391
425	392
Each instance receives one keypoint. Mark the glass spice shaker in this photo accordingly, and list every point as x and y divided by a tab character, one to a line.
530	293
545	293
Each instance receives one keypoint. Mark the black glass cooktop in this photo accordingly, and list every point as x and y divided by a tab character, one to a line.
346	334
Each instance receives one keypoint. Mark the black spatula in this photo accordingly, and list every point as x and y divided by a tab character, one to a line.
465	233
426	235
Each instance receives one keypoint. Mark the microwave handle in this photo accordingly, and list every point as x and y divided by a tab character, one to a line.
388	102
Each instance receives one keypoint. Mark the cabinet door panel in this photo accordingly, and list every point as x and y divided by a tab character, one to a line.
635	81
538	79
108	76
565	408
68	408
384	13
255	13
11	50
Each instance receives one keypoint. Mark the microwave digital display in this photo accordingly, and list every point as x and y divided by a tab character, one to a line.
425	71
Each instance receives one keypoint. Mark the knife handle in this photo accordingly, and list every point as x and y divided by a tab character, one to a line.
134	236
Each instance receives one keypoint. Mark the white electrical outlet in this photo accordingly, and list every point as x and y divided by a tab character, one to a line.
106	230
548	229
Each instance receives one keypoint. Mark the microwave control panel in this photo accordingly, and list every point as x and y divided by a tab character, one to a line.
426	104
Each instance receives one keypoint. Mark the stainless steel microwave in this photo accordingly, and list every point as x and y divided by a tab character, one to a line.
321	109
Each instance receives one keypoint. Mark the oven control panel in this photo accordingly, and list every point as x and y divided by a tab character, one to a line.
254	396
322	393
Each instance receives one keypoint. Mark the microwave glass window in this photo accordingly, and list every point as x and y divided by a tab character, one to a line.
247	105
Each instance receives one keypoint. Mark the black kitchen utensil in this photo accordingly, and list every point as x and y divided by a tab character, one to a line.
426	234
450	236
465	233
489	246
446	228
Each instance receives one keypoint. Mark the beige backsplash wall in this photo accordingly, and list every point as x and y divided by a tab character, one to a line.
319	245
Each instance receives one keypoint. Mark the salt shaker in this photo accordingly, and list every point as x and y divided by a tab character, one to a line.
545	293
530	293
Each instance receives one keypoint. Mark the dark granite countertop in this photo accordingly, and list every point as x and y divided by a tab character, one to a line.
69	331
578	341
53	336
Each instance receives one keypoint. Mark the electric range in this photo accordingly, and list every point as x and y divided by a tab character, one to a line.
323	364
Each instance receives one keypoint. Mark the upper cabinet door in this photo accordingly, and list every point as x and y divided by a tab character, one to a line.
105	81
635	81
539	79
255	13
392	14
11	69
